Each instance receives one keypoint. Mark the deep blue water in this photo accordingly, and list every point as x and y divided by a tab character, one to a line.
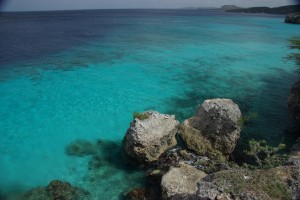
70	75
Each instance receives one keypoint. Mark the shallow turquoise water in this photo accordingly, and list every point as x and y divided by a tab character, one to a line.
169	63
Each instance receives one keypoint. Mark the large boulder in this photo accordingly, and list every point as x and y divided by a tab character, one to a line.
215	128
149	137
182	180
294	101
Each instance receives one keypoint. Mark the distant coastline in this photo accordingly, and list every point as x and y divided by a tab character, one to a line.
282	10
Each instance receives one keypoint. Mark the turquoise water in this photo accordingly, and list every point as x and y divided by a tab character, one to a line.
159	61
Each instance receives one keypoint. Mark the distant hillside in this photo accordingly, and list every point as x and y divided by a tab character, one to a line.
283	10
230	7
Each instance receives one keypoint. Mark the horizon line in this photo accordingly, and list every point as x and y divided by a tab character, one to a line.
86	9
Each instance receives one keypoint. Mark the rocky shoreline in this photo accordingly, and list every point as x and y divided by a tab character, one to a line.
292	12
282	10
202	170
293	18
191	160
294	101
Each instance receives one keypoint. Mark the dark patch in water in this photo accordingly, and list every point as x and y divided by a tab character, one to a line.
103	153
2	196
80	148
273	122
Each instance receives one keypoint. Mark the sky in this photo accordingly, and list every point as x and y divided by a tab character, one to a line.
31	5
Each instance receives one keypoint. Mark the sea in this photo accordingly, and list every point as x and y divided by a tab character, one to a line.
69	76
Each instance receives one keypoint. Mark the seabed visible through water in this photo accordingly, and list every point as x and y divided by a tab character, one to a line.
79	75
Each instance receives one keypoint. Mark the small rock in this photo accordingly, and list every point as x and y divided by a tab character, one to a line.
56	190
182	180
185	155
136	194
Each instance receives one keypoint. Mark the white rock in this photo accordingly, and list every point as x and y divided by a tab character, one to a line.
182	180
147	139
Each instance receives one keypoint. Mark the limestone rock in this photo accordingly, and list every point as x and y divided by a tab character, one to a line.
135	194
294	101
293	18
294	157
290	175
148	193
242	184
182	180
148	138
195	140
215	126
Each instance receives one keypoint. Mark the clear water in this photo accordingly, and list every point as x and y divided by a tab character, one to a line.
81	74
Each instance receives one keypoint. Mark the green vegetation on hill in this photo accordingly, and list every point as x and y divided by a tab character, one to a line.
295	56
283	10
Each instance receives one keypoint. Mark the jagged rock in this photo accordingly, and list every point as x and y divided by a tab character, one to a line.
63	190
294	101
195	140
56	190
148	193
291	176
242	184
182	180
135	194
148	138
185	197
214	128
294	156
293	18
